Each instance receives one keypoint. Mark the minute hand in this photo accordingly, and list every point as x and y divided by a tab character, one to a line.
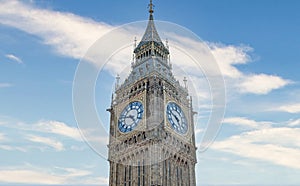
177	119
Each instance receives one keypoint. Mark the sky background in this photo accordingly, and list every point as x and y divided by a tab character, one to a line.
255	43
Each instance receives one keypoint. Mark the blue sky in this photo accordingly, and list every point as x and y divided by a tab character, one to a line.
255	43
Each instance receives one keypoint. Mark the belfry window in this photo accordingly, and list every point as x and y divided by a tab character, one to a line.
169	176
144	171
177	176
125	175
129	176
139	173
117	167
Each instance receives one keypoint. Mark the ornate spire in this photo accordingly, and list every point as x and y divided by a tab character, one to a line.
151	8
151	35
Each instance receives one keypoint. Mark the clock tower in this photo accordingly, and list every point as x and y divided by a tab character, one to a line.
152	137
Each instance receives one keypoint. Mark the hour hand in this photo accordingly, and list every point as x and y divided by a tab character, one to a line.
130	117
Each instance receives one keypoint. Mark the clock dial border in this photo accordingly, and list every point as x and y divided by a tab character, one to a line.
139	117
181	114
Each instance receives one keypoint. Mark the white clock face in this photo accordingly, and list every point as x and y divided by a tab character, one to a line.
130	116
177	118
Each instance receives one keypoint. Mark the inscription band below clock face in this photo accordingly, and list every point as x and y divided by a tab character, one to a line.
176	118
130	116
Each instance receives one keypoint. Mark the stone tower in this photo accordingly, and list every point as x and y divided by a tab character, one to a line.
152	138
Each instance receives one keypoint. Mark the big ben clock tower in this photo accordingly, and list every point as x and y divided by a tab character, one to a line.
152	138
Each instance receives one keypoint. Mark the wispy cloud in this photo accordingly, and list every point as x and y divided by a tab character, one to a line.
247	123
29	177
35	133
57	145
62	129
2	137
279	146
5	144
71	172
52	176
290	108
14	58
13	148
45	127
5	85
198	131
70	35
294	123
58	128
228	56
55	134
96	181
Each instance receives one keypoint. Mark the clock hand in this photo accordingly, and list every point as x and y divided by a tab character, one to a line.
175	117
130	117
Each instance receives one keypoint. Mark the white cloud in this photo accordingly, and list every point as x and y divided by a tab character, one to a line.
2	137
14	58
56	176
228	56
13	148
290	108
280	146
69	34
48	133
294	123
82	177
96	181
71	172
29	177
247	123
198	131
262	83
78	148
5	85
50	127
5	144
59	128
46	141
62	129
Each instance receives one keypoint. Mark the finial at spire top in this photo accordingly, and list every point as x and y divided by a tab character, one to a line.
151	6
118	81
185	82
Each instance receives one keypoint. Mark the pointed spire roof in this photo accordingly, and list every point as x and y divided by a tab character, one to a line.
151	34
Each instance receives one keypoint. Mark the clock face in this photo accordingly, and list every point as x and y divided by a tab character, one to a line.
130	116
177	118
